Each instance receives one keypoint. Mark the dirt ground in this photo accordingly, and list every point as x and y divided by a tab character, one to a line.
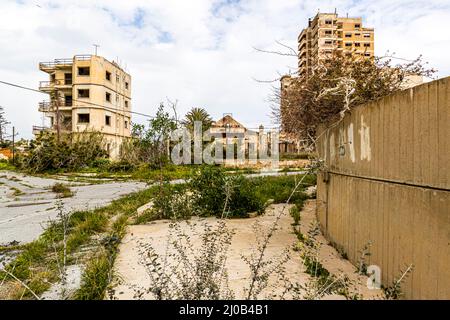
133	274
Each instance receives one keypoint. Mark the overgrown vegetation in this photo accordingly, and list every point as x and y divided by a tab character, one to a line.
337	85
37	263
72	152
210	191
62	190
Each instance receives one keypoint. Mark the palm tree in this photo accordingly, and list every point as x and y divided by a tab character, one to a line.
197	114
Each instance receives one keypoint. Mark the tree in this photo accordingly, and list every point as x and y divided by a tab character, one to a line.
336	85
3	124
197	114
150	144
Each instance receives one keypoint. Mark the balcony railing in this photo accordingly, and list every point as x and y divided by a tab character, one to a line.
47	106
49	85
56	63
38	130
83	57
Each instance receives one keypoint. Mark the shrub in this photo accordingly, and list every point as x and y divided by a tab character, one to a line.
73	151
208	186
120	166
62	190
171	202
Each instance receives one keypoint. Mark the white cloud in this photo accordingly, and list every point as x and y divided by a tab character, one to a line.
199	52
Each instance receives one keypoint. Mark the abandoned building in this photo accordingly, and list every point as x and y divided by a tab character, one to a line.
87	93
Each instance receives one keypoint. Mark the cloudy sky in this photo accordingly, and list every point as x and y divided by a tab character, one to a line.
200	52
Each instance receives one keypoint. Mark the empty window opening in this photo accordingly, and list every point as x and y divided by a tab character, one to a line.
108	75
126	104
357	25
84	71
67	78
126	124
83	118
348	44
126	85
357	44
108	120
68	101
108	96
83	93
348	35
366	44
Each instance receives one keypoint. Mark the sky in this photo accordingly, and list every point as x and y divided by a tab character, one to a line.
198	52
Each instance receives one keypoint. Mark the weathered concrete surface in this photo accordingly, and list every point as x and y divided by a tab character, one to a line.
27	204
387	181
133	274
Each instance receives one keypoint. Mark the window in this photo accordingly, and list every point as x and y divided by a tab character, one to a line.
348	44
84	71
328	32
328	42
357	25
108	120
126	104
108	96
83	118
367	54
83	93
357	44
357	34
117	98
366	35
328	21
68	101
67	78
366	44
348	35
117	78
126	85
108	75
126	124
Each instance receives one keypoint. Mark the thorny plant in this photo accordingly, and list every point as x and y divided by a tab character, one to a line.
322	282
394	291
58	239
187	272
362	263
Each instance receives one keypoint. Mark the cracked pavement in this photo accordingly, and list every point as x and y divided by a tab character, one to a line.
27	203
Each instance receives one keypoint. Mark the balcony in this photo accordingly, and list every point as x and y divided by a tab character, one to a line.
48	86
48	106
37	130
51	66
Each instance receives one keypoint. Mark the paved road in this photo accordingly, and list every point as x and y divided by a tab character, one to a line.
24	213
24	216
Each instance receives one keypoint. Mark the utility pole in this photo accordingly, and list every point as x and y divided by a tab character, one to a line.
14	145
58	130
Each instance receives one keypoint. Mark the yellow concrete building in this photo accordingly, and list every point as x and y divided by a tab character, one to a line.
88	93
327	32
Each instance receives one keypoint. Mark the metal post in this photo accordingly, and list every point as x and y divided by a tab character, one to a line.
13	145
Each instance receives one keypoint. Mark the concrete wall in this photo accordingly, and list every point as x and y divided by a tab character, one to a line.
387	180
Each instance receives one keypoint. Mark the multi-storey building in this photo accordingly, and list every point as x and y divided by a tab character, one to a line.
327	32
87	93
